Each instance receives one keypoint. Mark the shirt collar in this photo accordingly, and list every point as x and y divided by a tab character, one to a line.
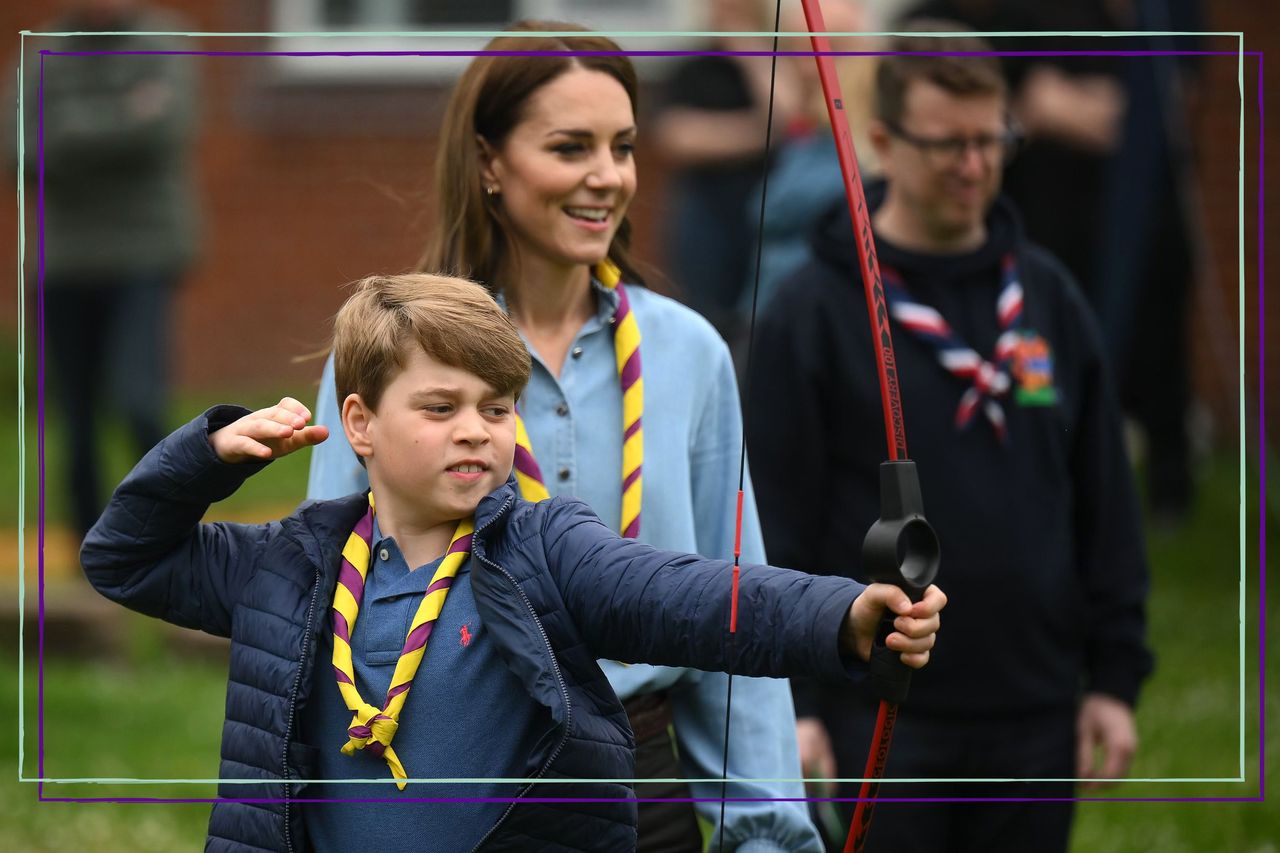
391	577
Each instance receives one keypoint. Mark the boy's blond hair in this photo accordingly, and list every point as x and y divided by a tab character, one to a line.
455	321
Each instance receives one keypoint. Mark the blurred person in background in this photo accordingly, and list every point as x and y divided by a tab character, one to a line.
1105	184
535	173
1016	432
120	222
711	130
804	175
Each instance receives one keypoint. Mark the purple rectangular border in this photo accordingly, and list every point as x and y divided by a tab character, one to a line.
40	439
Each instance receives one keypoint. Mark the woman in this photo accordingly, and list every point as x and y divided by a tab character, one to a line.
632	405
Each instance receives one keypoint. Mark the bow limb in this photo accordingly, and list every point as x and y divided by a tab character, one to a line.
895	432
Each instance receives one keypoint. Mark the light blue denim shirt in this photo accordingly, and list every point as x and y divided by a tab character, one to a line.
692	440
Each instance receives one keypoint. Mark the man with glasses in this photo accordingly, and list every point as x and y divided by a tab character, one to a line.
1015	429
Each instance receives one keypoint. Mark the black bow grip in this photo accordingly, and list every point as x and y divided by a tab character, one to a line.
902	549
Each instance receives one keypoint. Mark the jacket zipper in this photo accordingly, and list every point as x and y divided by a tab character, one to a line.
555	667
293	703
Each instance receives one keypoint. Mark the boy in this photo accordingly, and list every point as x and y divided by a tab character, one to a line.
429	369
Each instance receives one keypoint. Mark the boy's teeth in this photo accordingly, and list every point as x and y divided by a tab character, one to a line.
467	469
595	215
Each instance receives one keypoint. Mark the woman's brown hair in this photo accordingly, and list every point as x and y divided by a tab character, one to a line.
471	235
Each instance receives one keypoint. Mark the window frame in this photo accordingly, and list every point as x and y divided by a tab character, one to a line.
304	31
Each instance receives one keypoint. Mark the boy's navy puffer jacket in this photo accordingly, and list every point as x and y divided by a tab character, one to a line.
555	587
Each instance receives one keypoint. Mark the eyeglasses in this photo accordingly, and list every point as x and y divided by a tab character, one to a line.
951	150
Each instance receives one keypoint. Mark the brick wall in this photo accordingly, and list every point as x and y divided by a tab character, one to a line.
304	188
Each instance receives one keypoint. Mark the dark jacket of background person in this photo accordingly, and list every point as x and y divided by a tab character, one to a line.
1040	537
108	137
269	588
708	229
1115	208
1055	180
119	194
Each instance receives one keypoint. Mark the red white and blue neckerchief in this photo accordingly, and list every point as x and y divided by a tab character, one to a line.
989	381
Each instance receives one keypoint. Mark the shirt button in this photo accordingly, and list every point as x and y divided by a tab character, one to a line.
562	409
563	473
577	352
384	555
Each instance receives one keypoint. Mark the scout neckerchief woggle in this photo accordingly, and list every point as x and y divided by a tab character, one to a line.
373	728
989	381
626	347
901	548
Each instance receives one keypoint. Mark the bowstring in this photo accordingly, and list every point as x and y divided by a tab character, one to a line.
746	399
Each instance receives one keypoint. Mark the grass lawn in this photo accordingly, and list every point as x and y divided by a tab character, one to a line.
157	717
155	713
1189	715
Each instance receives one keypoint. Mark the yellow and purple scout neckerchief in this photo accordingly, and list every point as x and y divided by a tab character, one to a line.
626	345
371	728
990	380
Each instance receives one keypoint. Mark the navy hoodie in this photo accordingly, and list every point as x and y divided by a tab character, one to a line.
1042	553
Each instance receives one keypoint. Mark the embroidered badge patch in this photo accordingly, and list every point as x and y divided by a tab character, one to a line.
465	634
1032	369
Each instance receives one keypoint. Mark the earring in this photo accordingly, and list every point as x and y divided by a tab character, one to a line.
491	190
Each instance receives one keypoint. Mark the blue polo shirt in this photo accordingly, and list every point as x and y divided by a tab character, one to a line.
463	719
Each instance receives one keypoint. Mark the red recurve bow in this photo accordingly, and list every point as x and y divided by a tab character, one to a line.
900	548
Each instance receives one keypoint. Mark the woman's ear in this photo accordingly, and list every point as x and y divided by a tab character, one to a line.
357	422
486	156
